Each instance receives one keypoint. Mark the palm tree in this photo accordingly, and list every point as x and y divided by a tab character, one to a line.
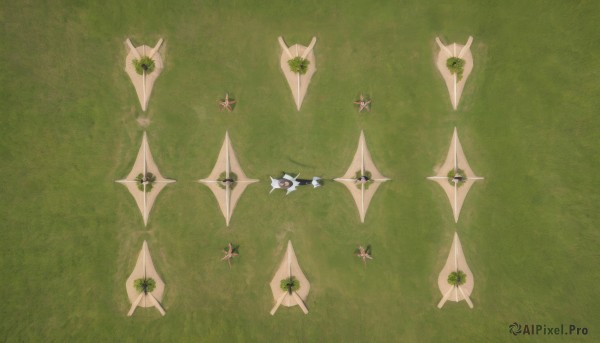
299	65
144	65
363	104
230	252
225	104
146	180
144	285
363	253
457	278
290	284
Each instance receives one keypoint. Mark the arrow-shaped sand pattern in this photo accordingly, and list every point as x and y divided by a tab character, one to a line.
455	86
143	83
144	269
289	267
298	83
456	261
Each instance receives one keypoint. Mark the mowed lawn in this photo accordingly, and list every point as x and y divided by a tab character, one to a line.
528	122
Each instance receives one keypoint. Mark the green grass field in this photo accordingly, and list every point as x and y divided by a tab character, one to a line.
528	122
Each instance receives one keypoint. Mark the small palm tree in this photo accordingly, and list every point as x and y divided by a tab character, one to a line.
456	66
457	176
363	103
363	253
144	285
226	104
290	284
363	178
299	65
231	251
143	65
227	181
457	278
147	180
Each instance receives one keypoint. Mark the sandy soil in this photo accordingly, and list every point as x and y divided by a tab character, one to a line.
298	83
289	267
144	268
143	83
362	161
455	87
145	163
456	261
455	157
227	198
143	122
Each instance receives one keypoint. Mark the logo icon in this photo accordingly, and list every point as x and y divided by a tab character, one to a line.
515	328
